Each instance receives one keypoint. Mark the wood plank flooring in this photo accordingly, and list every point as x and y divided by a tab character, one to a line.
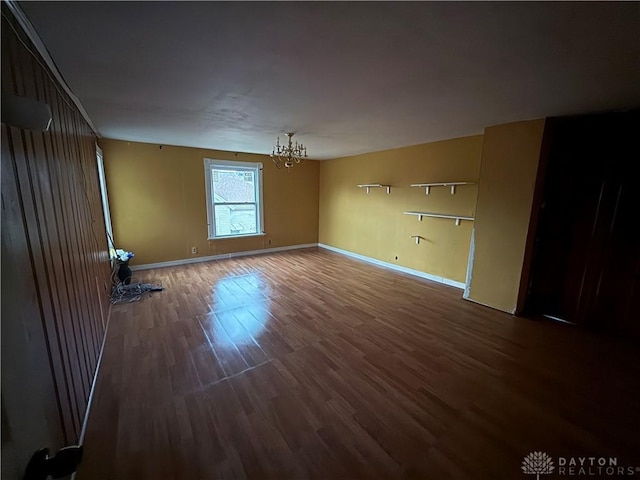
308	364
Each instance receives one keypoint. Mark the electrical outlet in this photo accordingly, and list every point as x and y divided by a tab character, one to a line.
269	242
194	250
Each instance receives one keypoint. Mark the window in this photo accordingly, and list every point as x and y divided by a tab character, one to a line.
105	200
234	198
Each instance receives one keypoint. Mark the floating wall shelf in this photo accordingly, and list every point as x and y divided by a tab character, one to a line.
453	185
457	218
369	186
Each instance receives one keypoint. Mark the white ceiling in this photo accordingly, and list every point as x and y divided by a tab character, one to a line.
348	77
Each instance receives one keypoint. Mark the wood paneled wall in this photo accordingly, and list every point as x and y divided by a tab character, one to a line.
52	219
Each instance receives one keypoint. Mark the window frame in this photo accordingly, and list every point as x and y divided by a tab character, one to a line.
211	164
102	179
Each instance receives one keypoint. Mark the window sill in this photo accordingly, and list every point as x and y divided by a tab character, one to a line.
237	236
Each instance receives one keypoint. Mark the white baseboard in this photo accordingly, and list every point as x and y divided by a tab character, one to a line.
186	261
94	382
410	271
468	299
398	268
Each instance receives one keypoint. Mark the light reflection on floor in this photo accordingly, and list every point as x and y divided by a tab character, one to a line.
240	310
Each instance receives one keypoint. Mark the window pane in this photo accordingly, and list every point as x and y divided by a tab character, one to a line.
235	220
234	186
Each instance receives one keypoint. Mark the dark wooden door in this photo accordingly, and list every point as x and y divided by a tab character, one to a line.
616	305
585	262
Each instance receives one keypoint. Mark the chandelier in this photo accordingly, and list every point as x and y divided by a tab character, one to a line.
288	155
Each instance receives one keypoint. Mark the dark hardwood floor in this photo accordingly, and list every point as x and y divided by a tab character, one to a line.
308	364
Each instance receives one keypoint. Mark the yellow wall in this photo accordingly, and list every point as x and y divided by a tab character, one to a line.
158	209
510	157
373	225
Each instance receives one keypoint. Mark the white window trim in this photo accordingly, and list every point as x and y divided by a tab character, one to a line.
209	163
105	200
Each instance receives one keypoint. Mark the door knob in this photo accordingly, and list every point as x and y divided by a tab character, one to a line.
63	463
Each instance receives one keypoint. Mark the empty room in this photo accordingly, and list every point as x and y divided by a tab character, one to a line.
332	240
